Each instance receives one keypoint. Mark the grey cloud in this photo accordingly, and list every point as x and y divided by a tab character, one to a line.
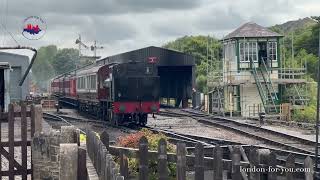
107	30
225	17
122	25
219	20
149	5
101	28
174	27
25	7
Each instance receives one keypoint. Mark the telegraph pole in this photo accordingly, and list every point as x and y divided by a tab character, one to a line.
292	50
79	45
94	48
207	65
317	118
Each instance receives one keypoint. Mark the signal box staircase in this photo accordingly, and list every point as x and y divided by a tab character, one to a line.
266	91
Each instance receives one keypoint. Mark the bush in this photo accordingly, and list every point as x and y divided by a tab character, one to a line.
306	115
82	137
132	141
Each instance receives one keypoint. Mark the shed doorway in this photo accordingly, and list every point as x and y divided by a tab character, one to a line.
175	84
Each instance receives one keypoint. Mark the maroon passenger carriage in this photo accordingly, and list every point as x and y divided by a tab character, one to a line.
122	93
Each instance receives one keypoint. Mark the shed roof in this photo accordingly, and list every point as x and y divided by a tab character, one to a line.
251	29
165	57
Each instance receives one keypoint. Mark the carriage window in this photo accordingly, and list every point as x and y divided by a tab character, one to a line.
78	83
93	81
83	86
87	82
81	83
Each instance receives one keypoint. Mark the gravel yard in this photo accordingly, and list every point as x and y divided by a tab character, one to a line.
191	126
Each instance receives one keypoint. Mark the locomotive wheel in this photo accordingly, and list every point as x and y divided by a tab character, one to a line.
115	119
143	119
109	115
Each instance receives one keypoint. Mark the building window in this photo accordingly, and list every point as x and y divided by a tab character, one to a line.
248	51
272	51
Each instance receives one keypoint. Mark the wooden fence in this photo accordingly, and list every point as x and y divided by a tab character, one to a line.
101	159
23	113
48	104
260	164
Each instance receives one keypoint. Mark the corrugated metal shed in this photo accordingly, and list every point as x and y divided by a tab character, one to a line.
251	29
19	65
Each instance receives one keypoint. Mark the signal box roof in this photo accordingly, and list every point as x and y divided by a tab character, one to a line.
251	30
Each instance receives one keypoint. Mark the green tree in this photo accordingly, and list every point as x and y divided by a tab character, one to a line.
65	60
42	69
305	44
50	52
316	34
311	62
197	47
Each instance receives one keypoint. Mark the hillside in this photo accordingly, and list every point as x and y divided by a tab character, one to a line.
290	26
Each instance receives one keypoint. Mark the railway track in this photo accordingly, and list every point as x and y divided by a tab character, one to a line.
274	138
191	140
175	137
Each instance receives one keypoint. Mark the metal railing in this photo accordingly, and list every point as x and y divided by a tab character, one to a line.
269	79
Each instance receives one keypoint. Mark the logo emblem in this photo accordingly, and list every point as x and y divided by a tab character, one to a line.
34	28
152	59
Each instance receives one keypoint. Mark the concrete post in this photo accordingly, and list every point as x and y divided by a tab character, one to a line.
68	134
45	151
68	162
37	118
40	155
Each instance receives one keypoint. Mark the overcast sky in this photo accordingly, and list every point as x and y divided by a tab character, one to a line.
123	25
